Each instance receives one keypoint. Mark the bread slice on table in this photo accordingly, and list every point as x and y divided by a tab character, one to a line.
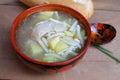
85	7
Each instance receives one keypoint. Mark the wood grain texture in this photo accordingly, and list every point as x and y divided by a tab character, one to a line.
94	66
108	5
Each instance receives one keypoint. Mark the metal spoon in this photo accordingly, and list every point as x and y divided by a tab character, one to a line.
102	34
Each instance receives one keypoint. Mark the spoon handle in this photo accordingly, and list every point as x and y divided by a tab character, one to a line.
107	52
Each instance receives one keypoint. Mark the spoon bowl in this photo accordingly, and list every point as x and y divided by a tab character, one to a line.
102	33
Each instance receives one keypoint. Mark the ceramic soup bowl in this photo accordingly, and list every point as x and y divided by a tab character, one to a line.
50	67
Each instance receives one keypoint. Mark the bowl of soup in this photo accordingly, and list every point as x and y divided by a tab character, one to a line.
50	38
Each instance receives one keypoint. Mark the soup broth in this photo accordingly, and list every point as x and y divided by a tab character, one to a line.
50	36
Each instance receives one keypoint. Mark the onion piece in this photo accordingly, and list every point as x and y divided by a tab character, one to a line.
79	35
71	41
57	21
55	35
62	52
67	41
57	15
45	41
49	34
68	51
73	25
43	45
55	55
73	53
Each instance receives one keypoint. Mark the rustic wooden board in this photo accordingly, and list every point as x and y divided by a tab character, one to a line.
94	66
108	5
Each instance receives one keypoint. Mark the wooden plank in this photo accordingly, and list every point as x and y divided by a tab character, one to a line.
14	70
105	16
7	15
12	3
8	1
94	66
107	5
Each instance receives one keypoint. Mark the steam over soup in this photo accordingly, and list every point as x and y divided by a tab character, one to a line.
50	36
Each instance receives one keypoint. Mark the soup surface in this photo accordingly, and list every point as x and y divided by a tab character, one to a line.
50	36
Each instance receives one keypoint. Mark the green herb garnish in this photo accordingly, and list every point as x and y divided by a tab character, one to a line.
105	51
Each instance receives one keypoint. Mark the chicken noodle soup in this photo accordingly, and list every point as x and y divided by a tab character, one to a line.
50	36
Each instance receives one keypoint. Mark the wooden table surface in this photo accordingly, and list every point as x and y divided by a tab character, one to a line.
94	66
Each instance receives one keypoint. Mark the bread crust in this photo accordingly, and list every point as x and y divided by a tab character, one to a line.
86	8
